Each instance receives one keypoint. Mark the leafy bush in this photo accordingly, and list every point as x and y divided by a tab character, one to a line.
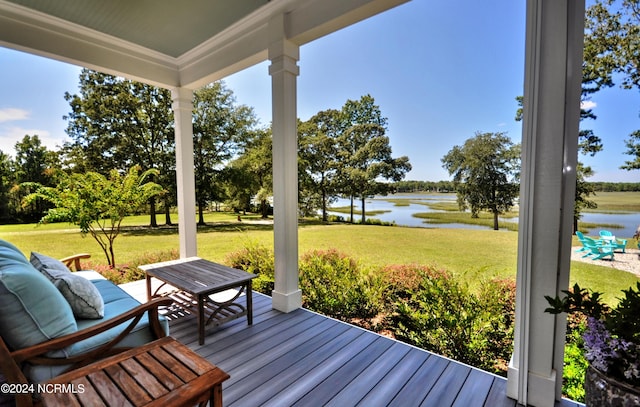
403	279
256	259
377	222
335	285
575	363
130	272
445	317
498	300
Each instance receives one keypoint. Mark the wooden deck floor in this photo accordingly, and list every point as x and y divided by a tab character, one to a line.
305	359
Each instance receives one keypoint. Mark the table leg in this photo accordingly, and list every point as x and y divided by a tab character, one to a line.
249	304
201	319
216	396
148	287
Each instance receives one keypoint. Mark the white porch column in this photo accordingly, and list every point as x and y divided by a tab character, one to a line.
284	55
552	86
183	113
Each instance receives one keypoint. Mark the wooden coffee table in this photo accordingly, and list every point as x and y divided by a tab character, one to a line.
195	280
161	373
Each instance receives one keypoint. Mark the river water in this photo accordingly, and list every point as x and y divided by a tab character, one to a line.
403	215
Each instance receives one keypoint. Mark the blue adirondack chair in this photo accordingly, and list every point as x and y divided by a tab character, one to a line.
589	241
581	237
609	238
598	251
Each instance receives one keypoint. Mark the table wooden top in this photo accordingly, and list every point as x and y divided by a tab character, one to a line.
198	276
160	373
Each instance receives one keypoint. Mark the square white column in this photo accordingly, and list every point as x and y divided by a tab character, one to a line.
553	76
183	113
284	55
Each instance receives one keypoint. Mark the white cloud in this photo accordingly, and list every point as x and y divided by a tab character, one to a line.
12	114
588	104
10	136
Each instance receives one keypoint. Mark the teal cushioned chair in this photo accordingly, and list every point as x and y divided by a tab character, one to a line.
39	335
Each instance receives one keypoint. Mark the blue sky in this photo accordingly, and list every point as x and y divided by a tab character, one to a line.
440	70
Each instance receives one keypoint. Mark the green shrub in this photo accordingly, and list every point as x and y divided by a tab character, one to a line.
445	317
130	272
575	363
257	259
401	280
376	222
335	285
498	300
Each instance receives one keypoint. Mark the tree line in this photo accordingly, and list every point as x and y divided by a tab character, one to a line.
117	124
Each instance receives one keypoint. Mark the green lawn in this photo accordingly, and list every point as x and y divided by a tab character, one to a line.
472	255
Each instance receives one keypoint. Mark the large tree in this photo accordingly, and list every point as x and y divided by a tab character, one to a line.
365	156
221	129
318	140
117	123
485	171
252	173
612	53
33	163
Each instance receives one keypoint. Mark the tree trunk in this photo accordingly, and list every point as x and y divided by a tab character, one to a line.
324	206
495	221
363	211
152	210
167	213
351	220
201	214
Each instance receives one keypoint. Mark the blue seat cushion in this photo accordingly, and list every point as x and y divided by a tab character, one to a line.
116	302
32	310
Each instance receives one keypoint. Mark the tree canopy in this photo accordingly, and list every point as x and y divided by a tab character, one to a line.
116	123
485	171
611	53
347	153
221	130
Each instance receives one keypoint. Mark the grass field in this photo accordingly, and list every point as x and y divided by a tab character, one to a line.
472	255
616	202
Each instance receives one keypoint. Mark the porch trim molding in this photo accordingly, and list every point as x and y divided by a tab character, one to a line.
183	112
552	89
284	70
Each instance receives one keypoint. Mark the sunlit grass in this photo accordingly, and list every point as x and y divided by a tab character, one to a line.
483	219
471	255
616	202
443	206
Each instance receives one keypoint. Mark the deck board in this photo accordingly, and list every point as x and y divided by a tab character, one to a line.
361	386
303	358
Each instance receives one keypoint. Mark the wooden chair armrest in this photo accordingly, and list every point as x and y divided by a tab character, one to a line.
32	353
75	261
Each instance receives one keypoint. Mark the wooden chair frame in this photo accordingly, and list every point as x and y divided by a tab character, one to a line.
11	361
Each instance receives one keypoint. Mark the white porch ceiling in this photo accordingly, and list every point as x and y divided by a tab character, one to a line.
169	43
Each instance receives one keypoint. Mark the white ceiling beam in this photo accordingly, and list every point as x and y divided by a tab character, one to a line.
27	30
317	18
240	46
225	58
